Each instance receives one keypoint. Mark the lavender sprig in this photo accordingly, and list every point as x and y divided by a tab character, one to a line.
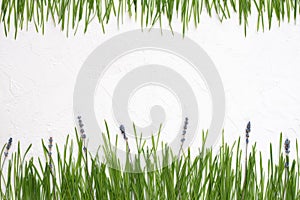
83	139
6	152
186	122
50	146
248	130
122	129
50	152
123	132
287	151
8	146
287	146
82	133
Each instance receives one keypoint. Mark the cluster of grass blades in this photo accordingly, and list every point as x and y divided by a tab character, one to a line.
207	176
68	14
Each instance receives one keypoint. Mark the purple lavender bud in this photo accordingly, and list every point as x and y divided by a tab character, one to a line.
50	153
287	142
8	146
287	151
50	146
184	130
122	129
5	154
83	136
248	129
50	140
81	125
84	149
286	165
287	146
82	130
185	123
79	117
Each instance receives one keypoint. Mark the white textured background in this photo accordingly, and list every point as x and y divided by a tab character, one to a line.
260	73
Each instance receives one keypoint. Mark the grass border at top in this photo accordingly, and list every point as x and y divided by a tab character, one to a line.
71	14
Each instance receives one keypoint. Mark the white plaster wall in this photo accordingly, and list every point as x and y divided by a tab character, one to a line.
261	76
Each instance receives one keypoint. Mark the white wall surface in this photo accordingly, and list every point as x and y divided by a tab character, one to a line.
260	73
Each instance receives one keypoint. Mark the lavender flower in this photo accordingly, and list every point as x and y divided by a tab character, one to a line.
248	129
287	146
122	129
8	146
287	151
186	122
50	145
82	133
50	142
123	132
286	165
